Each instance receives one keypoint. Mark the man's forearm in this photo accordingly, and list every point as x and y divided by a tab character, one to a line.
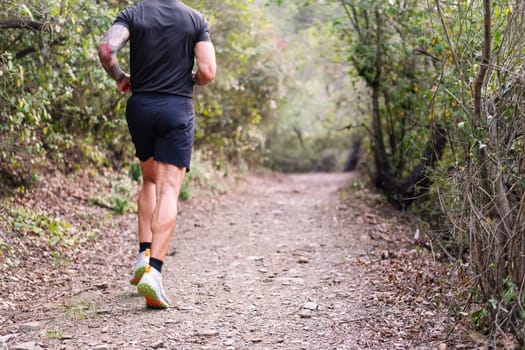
205	54
113	41
111	66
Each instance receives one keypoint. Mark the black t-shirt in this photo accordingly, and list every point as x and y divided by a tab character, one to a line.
163	34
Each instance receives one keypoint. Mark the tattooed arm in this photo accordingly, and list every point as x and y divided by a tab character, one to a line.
115	38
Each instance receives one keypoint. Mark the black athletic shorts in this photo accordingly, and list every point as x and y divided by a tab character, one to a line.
162	127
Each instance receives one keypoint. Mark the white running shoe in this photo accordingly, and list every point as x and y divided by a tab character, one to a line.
150	287
140	266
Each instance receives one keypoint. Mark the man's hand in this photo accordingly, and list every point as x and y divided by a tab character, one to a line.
124	85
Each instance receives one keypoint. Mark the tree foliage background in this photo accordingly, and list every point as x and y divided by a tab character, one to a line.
58	108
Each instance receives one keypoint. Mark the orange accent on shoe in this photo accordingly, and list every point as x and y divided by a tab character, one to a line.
146	253
154	303
148	268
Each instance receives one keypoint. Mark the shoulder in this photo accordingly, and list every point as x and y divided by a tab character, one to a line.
191	11
127	15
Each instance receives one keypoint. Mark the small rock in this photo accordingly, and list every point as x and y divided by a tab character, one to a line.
158	345
303	260
101	285
263	271
310	306
30	327
101	347
255	258
67	337
103	311
31	345
169	322
228	342
305	313
442	346
232	334
208	333
4	339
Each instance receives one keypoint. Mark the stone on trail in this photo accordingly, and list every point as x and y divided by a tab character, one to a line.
31	345
208	332
101	347
30	326
303	260
255	258
256	338
228	342
310	306
158	345
4	339
305	313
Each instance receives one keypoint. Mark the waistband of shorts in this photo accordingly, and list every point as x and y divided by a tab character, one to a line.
159	95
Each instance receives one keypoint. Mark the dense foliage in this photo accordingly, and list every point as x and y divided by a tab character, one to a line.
386	43
453	70
483	79
445	94
55	102
57	105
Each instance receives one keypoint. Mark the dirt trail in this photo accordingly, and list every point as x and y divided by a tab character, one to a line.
271	265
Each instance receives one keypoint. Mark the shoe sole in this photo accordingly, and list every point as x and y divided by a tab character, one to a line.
152	299
137	275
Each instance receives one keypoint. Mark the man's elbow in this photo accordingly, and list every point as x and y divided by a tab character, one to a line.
207	74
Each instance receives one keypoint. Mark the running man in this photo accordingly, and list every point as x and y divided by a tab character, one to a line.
166	36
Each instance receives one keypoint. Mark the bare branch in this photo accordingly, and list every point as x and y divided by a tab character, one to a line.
25	23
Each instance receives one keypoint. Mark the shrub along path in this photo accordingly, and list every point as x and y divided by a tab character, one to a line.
280	262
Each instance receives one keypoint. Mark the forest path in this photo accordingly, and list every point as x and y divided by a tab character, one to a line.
280	262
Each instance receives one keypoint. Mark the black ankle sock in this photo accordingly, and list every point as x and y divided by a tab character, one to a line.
143	246
156	263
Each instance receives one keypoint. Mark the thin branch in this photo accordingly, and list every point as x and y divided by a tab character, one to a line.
25	23
31	49
451	45
485	61
352	16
